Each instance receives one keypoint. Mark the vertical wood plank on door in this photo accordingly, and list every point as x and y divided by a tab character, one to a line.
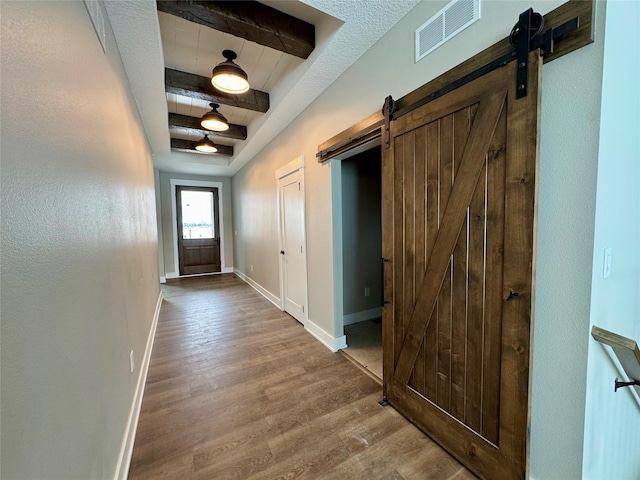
496	160
398	245
444	299
475	309
409	225
433	199
420	242
459	283
520	190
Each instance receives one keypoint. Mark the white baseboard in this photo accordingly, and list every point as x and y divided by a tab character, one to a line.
177	275
259	288
122	469
332	343
163	279
362	316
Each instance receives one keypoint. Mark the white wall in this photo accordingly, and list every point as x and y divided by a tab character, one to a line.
567	186
571	91
79	245
168	227
612	420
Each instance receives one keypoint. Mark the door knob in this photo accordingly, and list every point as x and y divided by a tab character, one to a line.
281	252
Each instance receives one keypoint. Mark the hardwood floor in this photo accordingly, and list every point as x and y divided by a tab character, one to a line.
238	389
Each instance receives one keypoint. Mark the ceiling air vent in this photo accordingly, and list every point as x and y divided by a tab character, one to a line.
448	22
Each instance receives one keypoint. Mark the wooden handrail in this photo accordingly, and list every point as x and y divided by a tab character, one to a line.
625	349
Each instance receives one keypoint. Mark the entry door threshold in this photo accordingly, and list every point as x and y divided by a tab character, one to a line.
362	367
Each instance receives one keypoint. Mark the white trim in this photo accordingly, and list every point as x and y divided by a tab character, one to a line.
282	172
126	450
163	279
292	166
336	223
259	288
174	218
332	343
362	316
175	275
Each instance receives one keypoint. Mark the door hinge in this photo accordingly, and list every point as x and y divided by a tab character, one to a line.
302	308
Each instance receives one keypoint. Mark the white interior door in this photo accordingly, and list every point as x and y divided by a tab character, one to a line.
292	252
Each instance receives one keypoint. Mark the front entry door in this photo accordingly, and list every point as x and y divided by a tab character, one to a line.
292	256
459	186
198	230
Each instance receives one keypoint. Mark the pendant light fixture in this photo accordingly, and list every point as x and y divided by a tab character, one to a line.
206	146
214	120
228	76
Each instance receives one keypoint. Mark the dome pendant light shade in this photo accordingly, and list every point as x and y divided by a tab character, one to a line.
206	146
214	120
229	77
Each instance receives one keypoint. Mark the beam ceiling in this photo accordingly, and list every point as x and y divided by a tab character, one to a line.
192	125
196	86
189	146
250	20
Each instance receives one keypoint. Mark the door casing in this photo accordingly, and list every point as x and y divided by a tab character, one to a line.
174	182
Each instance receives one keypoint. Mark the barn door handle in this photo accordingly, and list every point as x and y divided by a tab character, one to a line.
384	301
281	252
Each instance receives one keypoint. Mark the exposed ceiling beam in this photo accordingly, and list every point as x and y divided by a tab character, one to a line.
189	146
250	20
187	124
196	86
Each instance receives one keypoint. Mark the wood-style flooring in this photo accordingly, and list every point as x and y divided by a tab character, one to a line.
238	389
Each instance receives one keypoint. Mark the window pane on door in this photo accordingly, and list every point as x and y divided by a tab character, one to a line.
197	214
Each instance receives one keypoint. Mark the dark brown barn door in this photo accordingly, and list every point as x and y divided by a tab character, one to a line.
459	186
198	230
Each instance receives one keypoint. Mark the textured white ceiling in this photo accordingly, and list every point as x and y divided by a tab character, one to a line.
356	24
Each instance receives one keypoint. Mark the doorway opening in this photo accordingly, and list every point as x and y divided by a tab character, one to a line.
360	290
218	229
198	230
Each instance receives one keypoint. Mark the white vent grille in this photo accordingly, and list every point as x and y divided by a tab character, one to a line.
448	22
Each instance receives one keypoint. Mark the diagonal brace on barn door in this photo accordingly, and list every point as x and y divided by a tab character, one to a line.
471	164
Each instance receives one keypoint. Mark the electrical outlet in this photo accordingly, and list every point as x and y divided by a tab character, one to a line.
131	362
252	268
367	291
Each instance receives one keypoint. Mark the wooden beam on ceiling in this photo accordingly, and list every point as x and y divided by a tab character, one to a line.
191	125
250	20
196	86
189	146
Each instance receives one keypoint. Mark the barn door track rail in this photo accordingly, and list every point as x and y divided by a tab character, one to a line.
561	31
526	36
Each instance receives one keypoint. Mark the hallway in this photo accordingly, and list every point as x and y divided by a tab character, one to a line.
237	389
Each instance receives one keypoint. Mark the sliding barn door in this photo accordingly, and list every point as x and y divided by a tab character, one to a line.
459	187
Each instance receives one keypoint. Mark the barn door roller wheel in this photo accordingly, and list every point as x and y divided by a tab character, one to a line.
530	25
